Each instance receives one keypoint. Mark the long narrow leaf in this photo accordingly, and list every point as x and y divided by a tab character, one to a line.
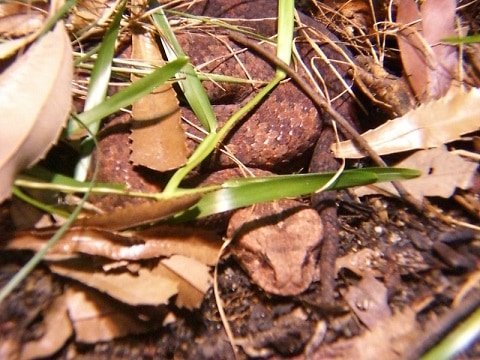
40	254
129	95
41	178
57	16
192	87
97	88
211	140
463	40
243	192
457	341
285	30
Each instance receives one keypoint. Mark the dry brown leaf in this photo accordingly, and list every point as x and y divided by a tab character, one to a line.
442	173
21	24
35	101
132	289
158	139
361	263
90	16
430	125
191	270
155	242
97	318
428	64
57	331
368	300
198	244
139	214
188	297
390	339
197	280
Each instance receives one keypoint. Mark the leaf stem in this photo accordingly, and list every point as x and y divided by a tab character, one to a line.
213	139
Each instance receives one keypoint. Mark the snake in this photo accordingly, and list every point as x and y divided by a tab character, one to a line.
286	132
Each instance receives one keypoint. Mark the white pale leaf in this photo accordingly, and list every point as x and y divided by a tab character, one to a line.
149	286
35	102
442	173
430	125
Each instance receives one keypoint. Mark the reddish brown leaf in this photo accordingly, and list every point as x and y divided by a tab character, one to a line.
158	139
142	214
428	64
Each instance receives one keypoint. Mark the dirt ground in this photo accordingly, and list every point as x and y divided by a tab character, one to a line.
410	269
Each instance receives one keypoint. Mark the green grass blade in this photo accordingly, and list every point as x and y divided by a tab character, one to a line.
211	140
97	88
58	15
458	340
101	72
472	39
390	174
243	192
39	255
285	30
41	178
192	87
129	95
284	49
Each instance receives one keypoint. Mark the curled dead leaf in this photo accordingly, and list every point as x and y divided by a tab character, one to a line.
93	15
151	285
428	64
136	215
21	24
97	318
454	115
35	101
155	242
442	173
57	331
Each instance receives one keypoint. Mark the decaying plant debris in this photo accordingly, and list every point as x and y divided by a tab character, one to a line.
119	284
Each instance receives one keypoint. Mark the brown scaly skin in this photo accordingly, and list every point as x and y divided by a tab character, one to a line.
281	133
286	107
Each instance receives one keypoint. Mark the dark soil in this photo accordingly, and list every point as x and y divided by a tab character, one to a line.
268	326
